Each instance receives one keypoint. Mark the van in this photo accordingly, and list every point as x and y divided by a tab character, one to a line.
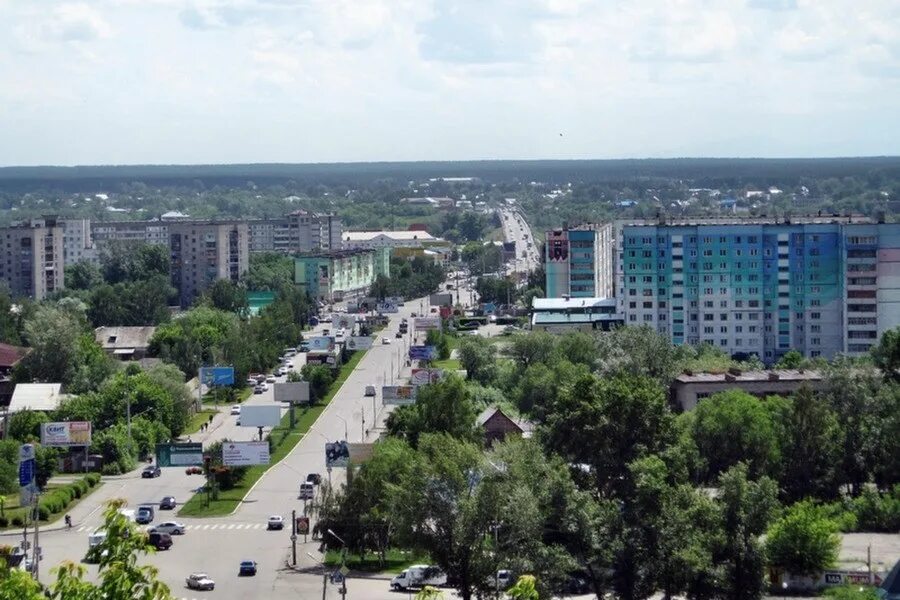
370	390
417	576
96	538
307	490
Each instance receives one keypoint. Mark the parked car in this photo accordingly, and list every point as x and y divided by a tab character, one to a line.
304	347
270	379
200	581
307	491
194	471
259	389
151	471
160	540
370	390
385	341
168	502
247	568
144	515
170	527
314	478
275	522
251	382
282	371
236	409
399	335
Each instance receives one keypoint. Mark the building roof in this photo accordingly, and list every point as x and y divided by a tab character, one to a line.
366	236
11	355
524	425
749	376
573	318
571	303
124	338
36	396
762	220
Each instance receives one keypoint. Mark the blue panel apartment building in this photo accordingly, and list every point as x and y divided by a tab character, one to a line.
820	285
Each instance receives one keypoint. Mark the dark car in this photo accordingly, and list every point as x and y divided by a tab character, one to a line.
167	503
314	478
399	334
160	541
151	471
248	567
144	515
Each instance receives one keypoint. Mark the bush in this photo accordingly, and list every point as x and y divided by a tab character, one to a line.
92	479
877	512
43	513
18	521
803	542
111	469
4	522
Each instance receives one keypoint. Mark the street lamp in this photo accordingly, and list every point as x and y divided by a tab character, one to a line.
346	435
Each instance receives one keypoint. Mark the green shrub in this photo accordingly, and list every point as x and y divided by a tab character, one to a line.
877	512
18	521
92	479
111	469
4	522
43	513
82	485
76	490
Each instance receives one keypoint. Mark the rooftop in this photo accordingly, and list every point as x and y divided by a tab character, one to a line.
571	303
11	355
36	396
524	425
124	338
365	236
748	376
331	254
832	219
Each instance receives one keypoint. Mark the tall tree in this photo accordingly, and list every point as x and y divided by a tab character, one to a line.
442	407
811	450
804	541
478	357
886	354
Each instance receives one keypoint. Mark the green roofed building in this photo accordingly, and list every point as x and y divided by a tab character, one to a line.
341	274
256	301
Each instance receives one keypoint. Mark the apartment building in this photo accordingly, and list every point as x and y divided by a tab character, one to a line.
297	232
819	285
78	244
31	258
341	274
579	262
102	233
203	251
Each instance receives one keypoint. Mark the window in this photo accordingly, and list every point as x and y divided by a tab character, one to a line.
815	315
707	330
707	304
632	292
723	317
632	305
632	318
723	329
648	304
648	318
723	303
708	317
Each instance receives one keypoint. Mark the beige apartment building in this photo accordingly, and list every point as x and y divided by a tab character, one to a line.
31	258
202	252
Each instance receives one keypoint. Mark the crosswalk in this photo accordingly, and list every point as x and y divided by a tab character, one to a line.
203	527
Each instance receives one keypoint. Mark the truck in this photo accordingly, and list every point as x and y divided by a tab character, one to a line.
417	576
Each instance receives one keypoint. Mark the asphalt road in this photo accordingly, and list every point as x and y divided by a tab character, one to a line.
216	546
515	229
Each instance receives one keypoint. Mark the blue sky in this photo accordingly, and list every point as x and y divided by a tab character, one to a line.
219	81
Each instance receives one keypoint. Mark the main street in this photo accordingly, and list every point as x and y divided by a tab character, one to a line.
515	229
216	546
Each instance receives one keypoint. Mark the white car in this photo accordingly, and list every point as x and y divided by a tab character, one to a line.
385	341
264	386
281	372
170	527
236	409
275	522
270	378
200	581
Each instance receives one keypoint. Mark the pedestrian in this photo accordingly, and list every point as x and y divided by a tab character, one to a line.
210	419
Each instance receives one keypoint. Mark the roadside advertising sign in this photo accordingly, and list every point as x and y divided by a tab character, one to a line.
343	321
260	415
217	375
426	376
398	394
360	453
295	392
398	300
188	454
387	307
66	433
337	454
241	454
427	323
440	299
302	525
422	352
360	342
323	343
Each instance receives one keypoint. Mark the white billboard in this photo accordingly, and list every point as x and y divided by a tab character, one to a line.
66	433
243	454
295	392
359	342
427	322
260	415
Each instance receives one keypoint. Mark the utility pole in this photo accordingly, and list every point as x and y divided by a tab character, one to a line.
294	537
36	552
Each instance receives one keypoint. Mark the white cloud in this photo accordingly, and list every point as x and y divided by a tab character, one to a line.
75	22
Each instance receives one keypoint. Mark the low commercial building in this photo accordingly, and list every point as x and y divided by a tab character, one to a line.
559	315
125	343
343	274
689	388
391	239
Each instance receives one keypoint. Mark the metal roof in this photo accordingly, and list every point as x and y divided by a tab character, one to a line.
36	396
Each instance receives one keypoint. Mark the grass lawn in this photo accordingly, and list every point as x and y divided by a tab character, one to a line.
451	364
242	394
395	561
197	420
11	506
285	440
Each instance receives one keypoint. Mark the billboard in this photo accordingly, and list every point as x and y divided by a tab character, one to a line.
66	433
343	321
441	300
360	453
242	454
387	307
260	415
337	454
398	394
217	375
426	376
295	392
360	342
422	352
179	455
320	344
427	323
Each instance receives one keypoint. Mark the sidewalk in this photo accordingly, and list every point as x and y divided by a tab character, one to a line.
309	566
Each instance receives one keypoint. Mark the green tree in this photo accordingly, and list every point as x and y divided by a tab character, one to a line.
319	377
886	355
536	347
83	275
478	357
791	359
747	509
227	296
269	271
25	425
9	321
445	406
9	469
524	589
734	426
811	450
126	261
803	541
639	351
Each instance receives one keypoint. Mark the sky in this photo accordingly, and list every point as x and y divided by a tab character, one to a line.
249	81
